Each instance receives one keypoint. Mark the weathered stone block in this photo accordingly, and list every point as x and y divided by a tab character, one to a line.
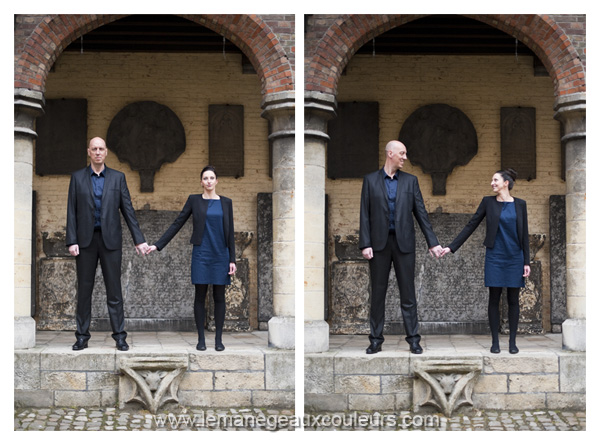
196	381
59	380
381	402
318	375
26	370
33	398
102	380
273	399
566	401
264	252
77	398
216	399
379	364
280	370
396	384
519	383
77	360
572	372
239	380
227	361
325	402
522	364
491	383
357	384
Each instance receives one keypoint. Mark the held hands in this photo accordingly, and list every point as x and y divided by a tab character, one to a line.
445	250
436	250
142	248
151	249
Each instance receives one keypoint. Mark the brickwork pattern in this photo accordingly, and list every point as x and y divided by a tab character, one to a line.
335	39
39	40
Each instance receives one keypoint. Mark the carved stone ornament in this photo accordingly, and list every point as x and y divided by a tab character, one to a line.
445	384
146	135
151	381
438	138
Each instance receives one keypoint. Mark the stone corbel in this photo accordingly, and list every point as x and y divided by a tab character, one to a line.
151	381
445	384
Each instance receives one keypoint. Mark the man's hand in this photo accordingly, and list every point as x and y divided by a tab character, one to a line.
367	252
151	249
436	250
232	268
445	250
141	249
526	271
74	249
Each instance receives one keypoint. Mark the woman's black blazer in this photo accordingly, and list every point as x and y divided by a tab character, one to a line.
490	208
197	206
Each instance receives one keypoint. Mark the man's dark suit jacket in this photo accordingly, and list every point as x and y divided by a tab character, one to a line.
115	198
197	206
374	213
490	209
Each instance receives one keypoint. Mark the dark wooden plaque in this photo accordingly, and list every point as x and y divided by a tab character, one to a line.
353	149
438	138
146	134
517	136
226	139
61	144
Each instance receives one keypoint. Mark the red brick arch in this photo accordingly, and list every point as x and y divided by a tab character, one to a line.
250	33
539	32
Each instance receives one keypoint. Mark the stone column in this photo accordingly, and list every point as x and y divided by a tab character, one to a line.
279	110
318	109
570	111
28	105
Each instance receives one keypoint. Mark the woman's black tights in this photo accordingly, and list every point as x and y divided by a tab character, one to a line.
513	313
200	310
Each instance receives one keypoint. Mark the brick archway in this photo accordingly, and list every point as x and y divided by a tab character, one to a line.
539	32
250	33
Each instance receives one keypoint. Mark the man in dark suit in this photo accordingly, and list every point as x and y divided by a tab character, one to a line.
388	201
96	195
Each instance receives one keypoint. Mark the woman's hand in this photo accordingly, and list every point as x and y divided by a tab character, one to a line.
445	250
232	268
526	271
151	248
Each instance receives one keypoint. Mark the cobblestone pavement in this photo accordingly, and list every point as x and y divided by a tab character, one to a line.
254	419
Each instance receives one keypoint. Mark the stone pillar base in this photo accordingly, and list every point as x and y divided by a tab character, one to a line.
573	334
316	336
282	332
24	332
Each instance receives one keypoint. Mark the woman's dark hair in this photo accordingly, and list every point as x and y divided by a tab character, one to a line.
208	168
508	175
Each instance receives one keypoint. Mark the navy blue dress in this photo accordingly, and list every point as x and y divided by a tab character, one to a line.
210	260
504	262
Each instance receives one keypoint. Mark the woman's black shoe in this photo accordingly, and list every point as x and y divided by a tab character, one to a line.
201	346
495	349
219	347
513	349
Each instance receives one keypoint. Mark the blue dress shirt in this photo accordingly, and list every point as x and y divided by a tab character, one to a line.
97	188
391	184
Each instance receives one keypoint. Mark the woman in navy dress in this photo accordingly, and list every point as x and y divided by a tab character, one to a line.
507	251
213	254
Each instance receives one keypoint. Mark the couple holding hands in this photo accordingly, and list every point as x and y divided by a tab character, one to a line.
97	194
390	198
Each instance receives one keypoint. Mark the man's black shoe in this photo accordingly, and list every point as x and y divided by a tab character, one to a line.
373	349
80	344
122	345
415	348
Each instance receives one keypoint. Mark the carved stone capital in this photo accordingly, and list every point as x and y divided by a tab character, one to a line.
151	381
445	384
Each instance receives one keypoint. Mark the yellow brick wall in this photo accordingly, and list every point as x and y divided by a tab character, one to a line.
479	86
187	84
